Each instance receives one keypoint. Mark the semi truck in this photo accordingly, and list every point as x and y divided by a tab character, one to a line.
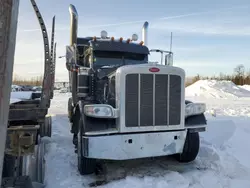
124	106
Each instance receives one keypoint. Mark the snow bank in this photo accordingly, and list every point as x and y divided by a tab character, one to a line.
17	96
12	101
216	89
247	87
21	95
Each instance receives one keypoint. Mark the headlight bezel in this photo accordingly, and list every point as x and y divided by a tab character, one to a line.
100	111
192	109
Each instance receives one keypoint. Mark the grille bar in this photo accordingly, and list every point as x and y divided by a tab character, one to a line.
139	99
154	99
161	99
132	102
146	97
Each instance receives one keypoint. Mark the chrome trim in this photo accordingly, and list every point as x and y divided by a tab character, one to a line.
121	90
154	100
145	33
168	100
139	100
108	131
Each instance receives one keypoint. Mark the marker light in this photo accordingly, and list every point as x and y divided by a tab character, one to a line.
121	39
141	43
128	40
134	37
104	34
94	38
112	38
154	69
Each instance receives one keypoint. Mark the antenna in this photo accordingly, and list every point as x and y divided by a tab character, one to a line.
171	38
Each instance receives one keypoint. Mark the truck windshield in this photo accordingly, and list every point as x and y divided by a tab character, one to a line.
114	58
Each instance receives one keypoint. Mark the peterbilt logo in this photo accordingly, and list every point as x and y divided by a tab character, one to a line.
154	69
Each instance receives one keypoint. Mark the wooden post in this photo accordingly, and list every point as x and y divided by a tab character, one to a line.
8	29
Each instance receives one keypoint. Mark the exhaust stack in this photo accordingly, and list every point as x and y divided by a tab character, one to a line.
145	33
73	40
73	24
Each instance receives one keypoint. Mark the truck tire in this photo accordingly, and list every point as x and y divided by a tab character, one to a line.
9	166
191	148
17	182
70	110
46	127
34	164
85	165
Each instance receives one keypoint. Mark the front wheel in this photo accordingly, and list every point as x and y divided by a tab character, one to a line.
191	148
85	165
70	110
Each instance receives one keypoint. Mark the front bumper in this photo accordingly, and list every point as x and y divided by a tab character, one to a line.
132	146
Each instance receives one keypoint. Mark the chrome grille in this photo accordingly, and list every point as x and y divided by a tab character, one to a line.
152	100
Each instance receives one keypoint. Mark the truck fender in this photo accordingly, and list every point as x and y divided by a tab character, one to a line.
195	123
76	113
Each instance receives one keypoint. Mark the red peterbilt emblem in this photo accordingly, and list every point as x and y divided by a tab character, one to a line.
154	69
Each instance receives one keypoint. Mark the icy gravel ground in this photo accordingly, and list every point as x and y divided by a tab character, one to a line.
223	160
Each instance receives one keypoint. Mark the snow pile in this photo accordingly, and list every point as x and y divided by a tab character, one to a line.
12	101
247	87
216	89
21	95
17	96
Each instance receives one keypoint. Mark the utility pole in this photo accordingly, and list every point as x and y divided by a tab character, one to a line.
8	29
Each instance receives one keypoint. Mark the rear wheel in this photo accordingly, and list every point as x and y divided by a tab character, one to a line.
70	110
31	166
34	165
191	148
85	165
46	127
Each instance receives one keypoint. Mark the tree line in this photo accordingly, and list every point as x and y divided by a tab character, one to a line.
35	81
239	77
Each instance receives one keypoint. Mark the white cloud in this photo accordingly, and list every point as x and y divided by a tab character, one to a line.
203	28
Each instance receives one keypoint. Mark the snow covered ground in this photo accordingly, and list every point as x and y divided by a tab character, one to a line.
223	160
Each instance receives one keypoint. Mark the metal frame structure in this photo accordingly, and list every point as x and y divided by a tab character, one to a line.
8	30
24	122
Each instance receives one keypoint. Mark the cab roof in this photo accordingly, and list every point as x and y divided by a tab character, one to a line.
109	45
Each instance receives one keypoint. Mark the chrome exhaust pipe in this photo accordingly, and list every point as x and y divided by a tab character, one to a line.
73	40
73	24
145	33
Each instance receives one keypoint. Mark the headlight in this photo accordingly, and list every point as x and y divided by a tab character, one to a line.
195	109
100	111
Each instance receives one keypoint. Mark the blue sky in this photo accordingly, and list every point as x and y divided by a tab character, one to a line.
209	37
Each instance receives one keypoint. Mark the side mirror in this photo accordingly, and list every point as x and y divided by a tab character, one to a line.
71	60
169	59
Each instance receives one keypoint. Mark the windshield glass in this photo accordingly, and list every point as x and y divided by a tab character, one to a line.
115	59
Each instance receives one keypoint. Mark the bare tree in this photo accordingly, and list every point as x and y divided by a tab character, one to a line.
239	70
239	74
